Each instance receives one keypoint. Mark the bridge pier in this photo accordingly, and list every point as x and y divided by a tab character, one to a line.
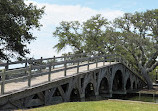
110	93
97	96
82	97
124	90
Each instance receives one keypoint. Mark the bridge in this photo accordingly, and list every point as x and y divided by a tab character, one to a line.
33	83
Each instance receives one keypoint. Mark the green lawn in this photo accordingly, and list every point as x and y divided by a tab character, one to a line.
107	105
143	98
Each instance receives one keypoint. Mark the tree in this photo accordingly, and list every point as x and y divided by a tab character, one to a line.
94	35
137	41
16	21
88	37
69	33
134	36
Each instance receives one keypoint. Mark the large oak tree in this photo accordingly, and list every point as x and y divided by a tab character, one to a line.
86	37
138	41
16	21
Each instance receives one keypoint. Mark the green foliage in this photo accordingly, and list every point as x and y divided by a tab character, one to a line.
94	34
16	21
134	36
137	36
153	74
69	34
88	37
138	40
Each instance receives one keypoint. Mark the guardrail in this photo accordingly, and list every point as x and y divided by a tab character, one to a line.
48	68
39	61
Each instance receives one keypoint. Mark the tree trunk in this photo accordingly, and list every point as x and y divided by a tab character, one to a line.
147	78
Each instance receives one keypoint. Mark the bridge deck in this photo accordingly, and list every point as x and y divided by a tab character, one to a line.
23	84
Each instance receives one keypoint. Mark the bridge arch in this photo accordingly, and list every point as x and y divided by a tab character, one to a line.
89	91
57	92
117	81
128	84
139	85
75	95
73	92
104	86
89	79
134	85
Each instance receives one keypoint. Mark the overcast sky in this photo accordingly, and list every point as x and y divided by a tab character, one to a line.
81	10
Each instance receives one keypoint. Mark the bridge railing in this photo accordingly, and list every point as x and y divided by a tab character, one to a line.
21	64
52	66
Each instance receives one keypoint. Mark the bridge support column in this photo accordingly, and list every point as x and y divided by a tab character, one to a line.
82	97
47	98
98	97
124	90
110	93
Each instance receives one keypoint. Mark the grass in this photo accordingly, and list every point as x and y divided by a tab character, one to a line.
143	98
106	105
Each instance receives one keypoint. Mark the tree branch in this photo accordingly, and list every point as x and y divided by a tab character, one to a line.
152	67
154	56
143	56
134	56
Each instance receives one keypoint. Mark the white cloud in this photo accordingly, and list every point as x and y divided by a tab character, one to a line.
54	14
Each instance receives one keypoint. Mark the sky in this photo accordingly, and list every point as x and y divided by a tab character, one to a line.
80	10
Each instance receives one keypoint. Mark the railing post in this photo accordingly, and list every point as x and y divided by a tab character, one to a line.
124	62
115	58
78	66
88	65
130	66
49	74
127	64
81	57
72	58
65	65
64	57
96	62
3	81
103	61
29	75
41	64
53	62
7	66
120	59
25	66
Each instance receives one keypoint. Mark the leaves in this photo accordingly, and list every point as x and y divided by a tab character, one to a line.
16	20
137	40
69	34
88	37
137	35
134	36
